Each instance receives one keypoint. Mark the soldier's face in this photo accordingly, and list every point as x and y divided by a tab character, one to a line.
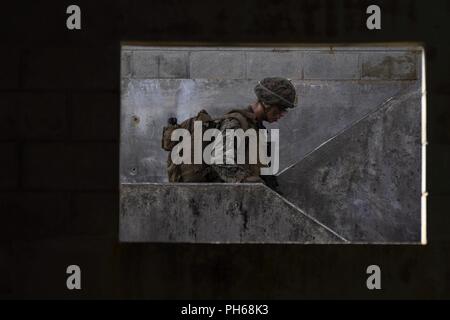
275	113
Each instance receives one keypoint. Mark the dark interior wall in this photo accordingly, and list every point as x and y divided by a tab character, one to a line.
59	119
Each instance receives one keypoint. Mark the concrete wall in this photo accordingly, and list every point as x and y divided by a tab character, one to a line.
235	213
337	88
365	182
59	118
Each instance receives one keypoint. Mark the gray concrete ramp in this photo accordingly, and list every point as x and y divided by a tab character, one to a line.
365	182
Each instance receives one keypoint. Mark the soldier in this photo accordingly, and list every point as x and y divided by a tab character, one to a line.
274	97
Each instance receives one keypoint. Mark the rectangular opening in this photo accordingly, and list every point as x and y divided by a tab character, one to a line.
351	152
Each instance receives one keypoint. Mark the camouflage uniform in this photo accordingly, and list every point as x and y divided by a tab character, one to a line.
238	172
270	91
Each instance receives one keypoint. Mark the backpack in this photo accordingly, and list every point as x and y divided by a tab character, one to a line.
195	172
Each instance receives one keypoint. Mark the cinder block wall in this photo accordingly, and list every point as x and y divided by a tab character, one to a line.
336	86
300	63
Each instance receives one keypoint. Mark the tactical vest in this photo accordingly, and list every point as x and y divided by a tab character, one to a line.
202	172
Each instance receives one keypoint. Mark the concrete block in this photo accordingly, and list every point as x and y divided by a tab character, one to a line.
43	116
390	65
40	215
50	215
10	61
33	116
438	156
6	269
9	204
173	65
93	214
9	116
261	64
46	165
331	66
439	116
366	182
75	166
217	65
144	64
69	68
94	166
9	164
230	213
94	116
438	219
152	64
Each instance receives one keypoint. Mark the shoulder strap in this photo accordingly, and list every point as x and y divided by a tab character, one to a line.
203	115
243	116
236	115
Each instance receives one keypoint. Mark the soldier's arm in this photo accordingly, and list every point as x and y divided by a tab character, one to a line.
232	172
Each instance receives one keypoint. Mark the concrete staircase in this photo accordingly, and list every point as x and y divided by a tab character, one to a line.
351	151
210	212
364	183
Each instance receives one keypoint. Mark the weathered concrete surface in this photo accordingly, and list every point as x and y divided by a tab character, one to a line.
342	65
371	171
217	65
395	66
227	213
365	183
261	64
161	82
325	108
146	106
297	63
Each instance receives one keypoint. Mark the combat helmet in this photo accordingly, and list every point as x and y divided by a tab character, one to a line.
276	91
